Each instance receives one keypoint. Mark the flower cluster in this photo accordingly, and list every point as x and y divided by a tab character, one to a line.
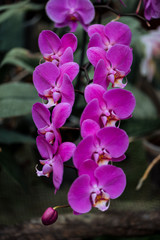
103	142
53	81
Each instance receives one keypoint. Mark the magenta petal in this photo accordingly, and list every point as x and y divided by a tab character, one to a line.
89	127
67	56
66	150
67	90
79	194
69	40
96	28
94	54
57	172
48	42
45	76
60	114
44	148
86	10
88	167
83	151
95	41
100	74
91	111
40	115
71	69
112	180
115	140
93	91
121	101
118	33
57	10
120	57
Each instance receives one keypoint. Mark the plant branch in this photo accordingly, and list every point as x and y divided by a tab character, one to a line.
147	171
135	15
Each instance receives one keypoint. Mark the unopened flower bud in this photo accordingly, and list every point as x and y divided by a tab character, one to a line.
49	216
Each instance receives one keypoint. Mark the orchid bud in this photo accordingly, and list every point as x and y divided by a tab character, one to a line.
49	216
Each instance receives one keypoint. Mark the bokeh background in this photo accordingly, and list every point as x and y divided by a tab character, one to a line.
23	195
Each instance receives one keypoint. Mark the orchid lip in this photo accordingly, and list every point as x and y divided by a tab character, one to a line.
100	200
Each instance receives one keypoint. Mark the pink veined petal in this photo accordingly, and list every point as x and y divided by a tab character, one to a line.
112	180
94	91
91	111
66	150
119	159
88	167
86	10
96	28
57	172
118	33
45	149
121	101
89	127
114	140
40	115
73	25
71	69
60	114
95	41
57	10
94	54
120	57
69	40
44	76
79	194
67	90
49	42
100	74
83	151
67	56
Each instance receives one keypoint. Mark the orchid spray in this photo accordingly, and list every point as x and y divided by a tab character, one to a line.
102	142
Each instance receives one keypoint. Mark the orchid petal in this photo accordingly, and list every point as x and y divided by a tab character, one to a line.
94	91
40	115
94	54
112	179
67	56
69	40
67	90
49	42
57	10
57	172
45	149
60	114
88	167
66	150
79	194
116	142
100	74
89	127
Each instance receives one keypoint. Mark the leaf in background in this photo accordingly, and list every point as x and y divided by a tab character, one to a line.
10	137
145	108
140	127
16	99
21	57
8	162
16	8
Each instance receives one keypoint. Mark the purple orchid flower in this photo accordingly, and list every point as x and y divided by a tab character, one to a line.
47	128
55	84
95	187
106	108
111	66
152	9
107	36
108	144
54	159
70	12
56	50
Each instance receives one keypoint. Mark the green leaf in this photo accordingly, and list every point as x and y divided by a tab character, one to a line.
16	99
21	57
140	127
18	8
9	163
145	108
10	137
